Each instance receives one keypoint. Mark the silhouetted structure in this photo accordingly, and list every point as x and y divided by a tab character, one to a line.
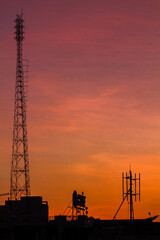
78	207
129	191
26	210
20	178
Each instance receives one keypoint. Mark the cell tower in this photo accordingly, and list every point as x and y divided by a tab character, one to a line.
20	178
130	191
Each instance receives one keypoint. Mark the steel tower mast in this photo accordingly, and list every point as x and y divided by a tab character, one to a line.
20	178
130	191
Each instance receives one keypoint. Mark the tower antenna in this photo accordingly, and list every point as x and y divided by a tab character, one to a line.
130	192
20	178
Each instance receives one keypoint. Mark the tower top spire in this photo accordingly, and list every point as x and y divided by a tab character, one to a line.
19	28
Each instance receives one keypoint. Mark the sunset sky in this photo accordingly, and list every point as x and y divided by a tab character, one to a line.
93	100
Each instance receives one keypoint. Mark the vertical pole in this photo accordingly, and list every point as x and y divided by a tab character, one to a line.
131	200
127	185
123	184
139	186
135	188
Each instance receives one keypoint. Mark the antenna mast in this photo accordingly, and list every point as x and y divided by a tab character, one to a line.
130	191
20	179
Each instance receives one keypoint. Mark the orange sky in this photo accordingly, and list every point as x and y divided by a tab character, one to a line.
93	101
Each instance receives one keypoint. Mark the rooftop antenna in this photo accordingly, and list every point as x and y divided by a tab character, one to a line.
130	191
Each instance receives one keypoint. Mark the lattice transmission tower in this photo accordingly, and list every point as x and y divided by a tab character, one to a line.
20	178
